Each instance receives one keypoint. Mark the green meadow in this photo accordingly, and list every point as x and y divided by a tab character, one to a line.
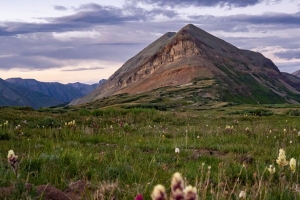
122	152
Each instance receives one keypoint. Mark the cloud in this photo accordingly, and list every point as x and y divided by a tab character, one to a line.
82	69
107	33
88	16
289	54
42	51
237	23
89	6
200	3
103	15
60	8
270	18
289	67
28	62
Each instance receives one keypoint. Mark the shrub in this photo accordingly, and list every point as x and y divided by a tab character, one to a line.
293	112
4	136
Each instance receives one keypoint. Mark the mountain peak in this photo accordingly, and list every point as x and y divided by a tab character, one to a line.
179	58
190	26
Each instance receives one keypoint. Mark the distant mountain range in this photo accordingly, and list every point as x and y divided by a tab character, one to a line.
36	94
190	58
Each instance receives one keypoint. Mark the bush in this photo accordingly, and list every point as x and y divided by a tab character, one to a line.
147	106
4	136
84	112
293	112
48	122
261	112
256	112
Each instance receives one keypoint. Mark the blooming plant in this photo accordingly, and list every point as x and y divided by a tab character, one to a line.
293	164
281	160
177	186
13	160
178	190
272	169
242	195
159	193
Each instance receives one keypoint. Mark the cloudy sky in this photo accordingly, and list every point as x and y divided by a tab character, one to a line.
86	40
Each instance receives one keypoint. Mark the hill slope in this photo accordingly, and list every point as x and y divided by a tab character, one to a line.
192	54
11	95
64	93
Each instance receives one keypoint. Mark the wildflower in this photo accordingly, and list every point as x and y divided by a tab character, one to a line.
284	130
281	160
190	193
209	167
247	129
299	133
177	186
242	195
293	164
139	197
291	141
270	131
228	128
12	159
5	123
159	193
177	150
272	169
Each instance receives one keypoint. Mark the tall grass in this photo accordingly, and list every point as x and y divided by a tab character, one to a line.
133	150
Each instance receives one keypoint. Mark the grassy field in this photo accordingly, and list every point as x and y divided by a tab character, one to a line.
123	152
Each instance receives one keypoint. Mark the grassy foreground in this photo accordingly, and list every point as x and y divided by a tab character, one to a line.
125	152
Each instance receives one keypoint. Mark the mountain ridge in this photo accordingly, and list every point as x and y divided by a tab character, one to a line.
36	94
11	95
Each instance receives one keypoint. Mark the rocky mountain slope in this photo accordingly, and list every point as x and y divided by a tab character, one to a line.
190	55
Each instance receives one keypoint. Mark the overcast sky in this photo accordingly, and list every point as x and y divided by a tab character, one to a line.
85	40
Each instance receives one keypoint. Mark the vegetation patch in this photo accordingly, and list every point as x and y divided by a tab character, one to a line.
118	152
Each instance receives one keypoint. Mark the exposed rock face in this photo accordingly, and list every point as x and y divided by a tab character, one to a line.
179	58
